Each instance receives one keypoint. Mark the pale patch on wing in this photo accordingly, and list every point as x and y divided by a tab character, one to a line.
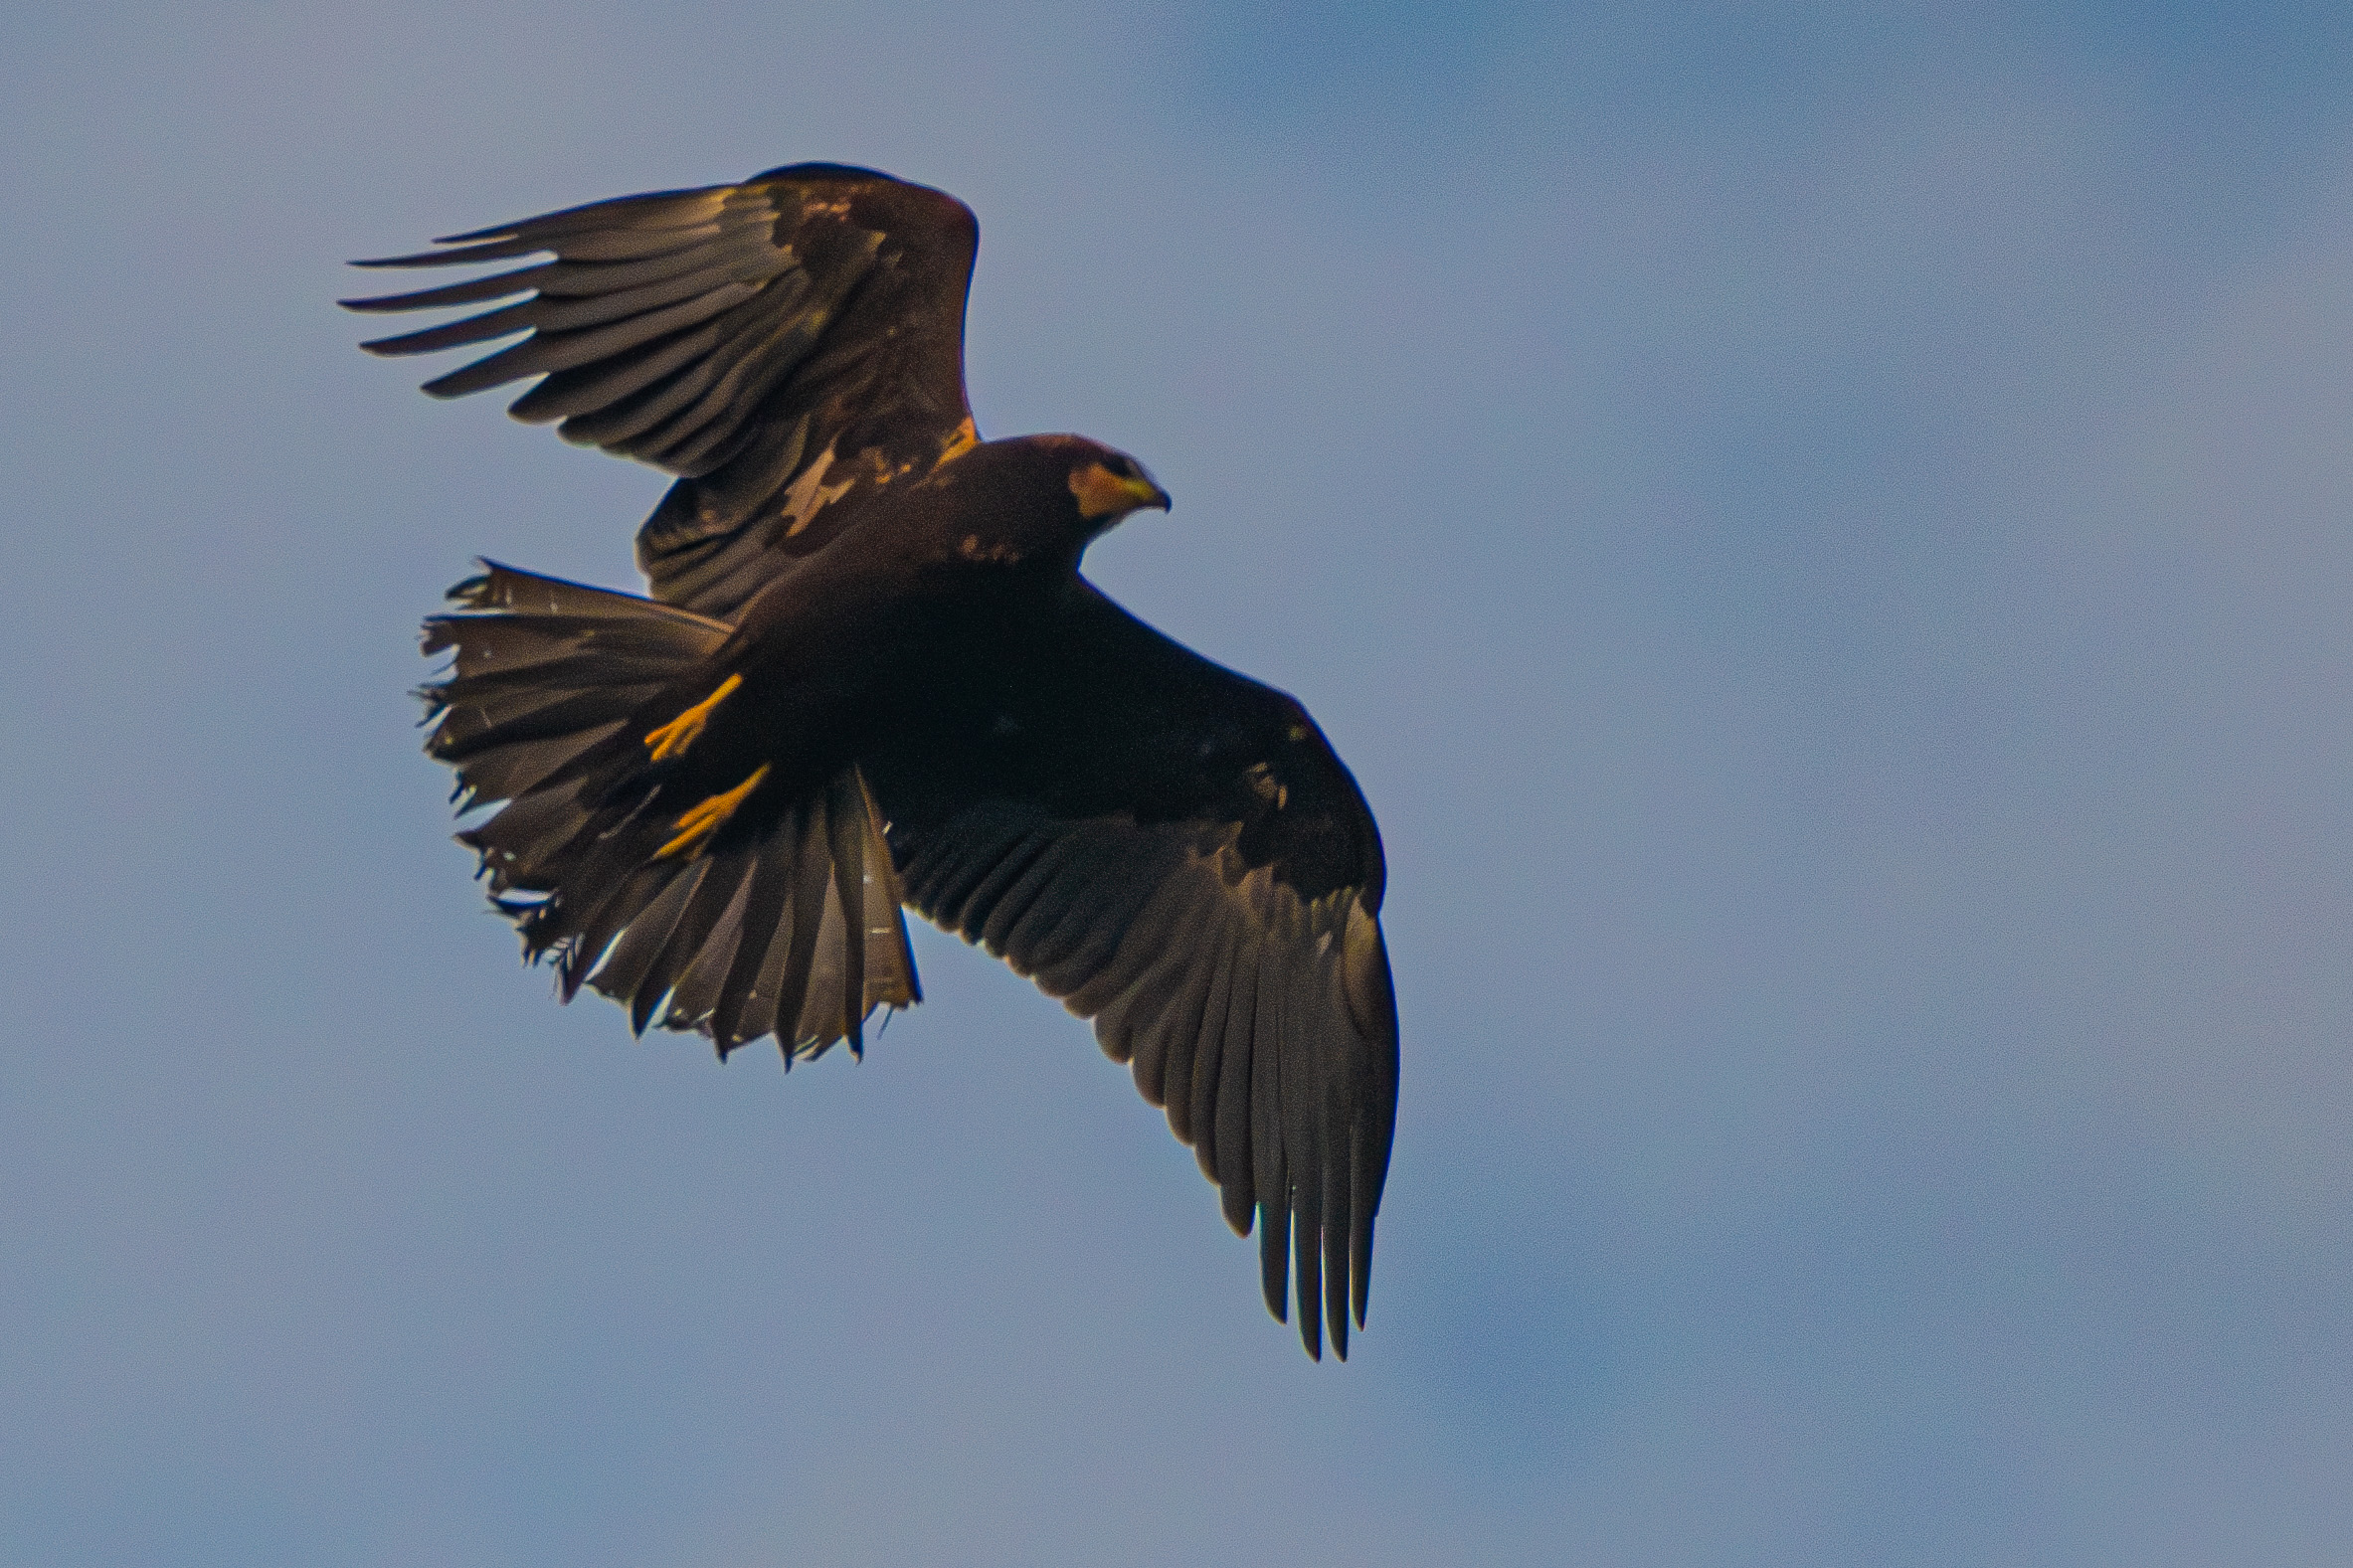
998	553
808	494
961	440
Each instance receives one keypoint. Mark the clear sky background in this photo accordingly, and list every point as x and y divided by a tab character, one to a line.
1823	530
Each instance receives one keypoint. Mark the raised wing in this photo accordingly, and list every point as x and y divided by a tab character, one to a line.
782	346
1176	852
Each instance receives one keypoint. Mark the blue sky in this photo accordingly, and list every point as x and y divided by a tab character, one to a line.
1822	529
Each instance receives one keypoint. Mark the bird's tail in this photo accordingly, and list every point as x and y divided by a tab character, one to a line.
560	702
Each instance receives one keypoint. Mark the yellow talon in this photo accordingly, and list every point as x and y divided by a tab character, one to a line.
683	731
701	821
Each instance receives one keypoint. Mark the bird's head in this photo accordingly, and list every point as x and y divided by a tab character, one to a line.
1039	497
1106	485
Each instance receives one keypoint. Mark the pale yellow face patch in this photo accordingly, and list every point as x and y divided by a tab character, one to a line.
1102	493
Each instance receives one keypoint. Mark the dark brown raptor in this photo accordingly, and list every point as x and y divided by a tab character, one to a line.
871	675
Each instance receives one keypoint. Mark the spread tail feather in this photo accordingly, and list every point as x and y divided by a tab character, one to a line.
785	924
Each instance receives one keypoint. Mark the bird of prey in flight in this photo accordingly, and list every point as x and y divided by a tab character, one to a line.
869	675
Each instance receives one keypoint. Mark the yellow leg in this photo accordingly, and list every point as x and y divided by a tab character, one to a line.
700	823
682	732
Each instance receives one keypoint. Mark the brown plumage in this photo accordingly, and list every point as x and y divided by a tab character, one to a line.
871	675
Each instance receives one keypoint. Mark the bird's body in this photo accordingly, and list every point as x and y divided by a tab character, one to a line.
875	638
873	675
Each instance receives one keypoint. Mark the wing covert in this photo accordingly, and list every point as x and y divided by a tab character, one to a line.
781	347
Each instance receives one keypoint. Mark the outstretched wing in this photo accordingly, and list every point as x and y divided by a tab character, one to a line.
1176	852
782	346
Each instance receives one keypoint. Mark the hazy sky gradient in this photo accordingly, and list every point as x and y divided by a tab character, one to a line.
1823	534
